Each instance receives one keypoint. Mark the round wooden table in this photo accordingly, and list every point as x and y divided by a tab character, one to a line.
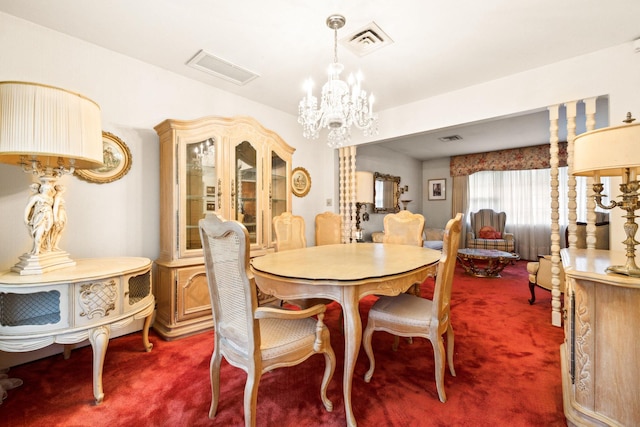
485	262
344	273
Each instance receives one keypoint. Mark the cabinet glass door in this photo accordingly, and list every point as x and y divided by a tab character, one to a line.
278	185
247	209
201	194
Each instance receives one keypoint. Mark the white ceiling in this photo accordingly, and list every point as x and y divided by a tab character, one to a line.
438	46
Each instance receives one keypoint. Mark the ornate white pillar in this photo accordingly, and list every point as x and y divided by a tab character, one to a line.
571	180
590	113
347	187
556	305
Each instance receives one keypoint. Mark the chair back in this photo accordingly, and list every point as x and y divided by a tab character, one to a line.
446	268
403	228
289	231
487	217
233	296
328	228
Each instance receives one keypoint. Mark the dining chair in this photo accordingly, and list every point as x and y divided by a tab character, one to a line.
404	228
289	231
328	228
254	339
409	316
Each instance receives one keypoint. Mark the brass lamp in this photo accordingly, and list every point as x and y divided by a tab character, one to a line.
614	151
364	196
49	132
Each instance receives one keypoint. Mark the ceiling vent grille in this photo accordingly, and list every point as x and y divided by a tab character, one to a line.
208	63
450	138
366	40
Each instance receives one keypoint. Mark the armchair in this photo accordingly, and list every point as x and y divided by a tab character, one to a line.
540	271
487	231
254	339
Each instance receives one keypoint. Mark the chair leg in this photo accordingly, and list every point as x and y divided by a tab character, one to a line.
532	289
439	356
329	368
366	344
214	373
450	346
251	396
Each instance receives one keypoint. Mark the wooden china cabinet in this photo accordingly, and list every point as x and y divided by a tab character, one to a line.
232	167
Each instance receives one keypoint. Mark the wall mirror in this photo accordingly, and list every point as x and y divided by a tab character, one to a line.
386	192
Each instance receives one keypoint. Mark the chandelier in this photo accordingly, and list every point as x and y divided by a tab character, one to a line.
343	104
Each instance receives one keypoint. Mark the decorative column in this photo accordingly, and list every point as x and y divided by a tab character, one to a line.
347	187
571	181
590	113
556	313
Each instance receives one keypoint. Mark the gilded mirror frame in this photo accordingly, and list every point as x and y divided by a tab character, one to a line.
392	206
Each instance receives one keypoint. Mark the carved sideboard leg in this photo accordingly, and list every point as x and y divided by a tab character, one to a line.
99	339
145	333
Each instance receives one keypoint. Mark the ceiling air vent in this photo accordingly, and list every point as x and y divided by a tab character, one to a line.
208	63
366	40
450	138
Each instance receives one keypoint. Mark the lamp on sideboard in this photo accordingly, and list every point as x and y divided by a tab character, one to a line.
614	151
49	132
364	196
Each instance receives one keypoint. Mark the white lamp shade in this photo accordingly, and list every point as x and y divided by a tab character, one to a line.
49	123
607	151
364	187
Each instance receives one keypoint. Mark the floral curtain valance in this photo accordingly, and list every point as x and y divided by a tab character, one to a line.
536	157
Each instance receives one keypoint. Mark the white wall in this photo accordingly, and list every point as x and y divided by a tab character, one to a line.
436	212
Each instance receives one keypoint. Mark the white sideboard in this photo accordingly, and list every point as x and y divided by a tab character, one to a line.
600	356
70	305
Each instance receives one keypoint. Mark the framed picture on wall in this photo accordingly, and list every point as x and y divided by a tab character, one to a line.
117	161
437	189
300	182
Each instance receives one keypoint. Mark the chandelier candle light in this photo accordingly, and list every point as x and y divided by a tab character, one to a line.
343	104
49	132
614	151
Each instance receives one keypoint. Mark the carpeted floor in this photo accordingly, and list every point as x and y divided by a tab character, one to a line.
506	358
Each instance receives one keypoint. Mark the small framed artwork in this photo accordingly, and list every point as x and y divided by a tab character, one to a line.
437	189
211	206
300	182
116	159
211	190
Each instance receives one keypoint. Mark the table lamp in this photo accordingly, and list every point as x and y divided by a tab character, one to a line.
614	151
364	196
49	132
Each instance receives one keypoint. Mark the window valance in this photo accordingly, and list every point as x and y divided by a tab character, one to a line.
535	157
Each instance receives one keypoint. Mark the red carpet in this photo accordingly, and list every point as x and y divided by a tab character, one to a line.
506	358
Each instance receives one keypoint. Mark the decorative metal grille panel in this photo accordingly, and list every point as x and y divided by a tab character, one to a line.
40	308
139	287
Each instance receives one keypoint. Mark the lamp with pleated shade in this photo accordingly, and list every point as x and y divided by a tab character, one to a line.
614	151
49	132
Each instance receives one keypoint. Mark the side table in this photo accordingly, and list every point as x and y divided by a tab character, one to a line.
492	260
70	305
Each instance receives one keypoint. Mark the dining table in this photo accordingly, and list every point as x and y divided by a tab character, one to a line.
344	273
